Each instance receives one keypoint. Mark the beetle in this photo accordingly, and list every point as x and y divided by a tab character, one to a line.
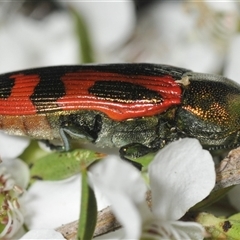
138	108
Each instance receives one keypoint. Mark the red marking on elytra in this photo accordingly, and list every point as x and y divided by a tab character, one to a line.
19	103
78	98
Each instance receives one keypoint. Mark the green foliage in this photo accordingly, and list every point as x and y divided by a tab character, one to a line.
88	213
221	228
61	165
32	153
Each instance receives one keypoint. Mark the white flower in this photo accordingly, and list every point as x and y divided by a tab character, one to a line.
12	146
43	204
42	234
49	204
14	177
11	217
181	175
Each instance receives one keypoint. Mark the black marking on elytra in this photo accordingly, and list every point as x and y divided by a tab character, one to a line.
146	69
6	85
125	92
49	89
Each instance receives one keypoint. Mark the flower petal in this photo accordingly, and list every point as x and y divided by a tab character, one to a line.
12	146
188	230
42	234
51	204
181	175
18	170
125	189
192	230
175	230
118	175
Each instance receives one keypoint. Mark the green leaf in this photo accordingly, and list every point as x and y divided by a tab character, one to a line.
32	153
145	160
220	228
88	213
61	165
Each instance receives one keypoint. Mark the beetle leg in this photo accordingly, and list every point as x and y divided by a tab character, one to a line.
68	132
134	150
52	146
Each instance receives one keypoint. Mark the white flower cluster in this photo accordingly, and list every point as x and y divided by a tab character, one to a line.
11	217
181	175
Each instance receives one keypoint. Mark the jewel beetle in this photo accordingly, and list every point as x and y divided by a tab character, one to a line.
138	108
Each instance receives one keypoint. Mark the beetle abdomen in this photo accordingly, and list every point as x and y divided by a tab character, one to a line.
34	126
